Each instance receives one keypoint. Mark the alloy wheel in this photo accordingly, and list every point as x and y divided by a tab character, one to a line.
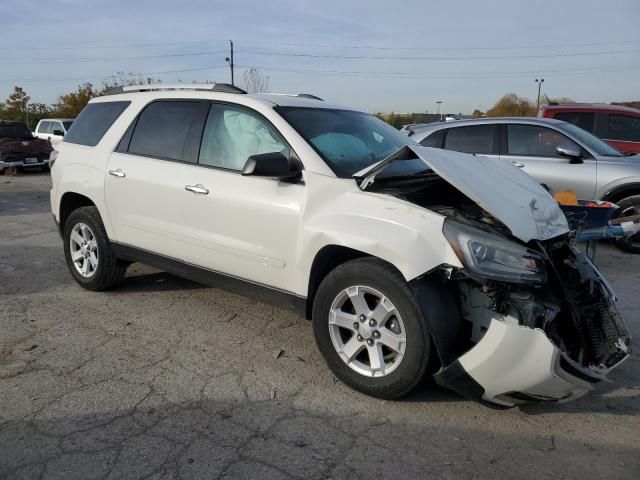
367	331
83	248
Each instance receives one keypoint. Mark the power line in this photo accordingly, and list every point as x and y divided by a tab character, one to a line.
43	61
445	75
395	57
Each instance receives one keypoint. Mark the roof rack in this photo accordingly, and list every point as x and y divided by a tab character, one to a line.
299	95
308	95
213	87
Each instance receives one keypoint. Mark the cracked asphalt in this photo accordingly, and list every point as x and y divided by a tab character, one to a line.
167	379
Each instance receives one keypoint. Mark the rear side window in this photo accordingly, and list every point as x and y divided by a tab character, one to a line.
44	127
584	120
169	130
93	122
624	128
475	139
434	140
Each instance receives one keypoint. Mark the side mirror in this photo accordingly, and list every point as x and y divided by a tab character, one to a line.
569	151
274	165
59	133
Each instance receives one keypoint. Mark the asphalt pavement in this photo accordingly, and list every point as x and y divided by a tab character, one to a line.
167	379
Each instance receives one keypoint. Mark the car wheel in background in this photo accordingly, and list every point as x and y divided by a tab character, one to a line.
629	206
89	253
369	328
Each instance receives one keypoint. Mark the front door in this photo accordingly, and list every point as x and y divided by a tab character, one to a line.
533	148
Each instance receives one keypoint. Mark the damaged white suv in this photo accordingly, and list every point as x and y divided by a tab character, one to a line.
407	259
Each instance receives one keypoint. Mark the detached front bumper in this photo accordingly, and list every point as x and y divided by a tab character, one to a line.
525	345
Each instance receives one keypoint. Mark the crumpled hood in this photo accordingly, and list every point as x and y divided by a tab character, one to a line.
500	188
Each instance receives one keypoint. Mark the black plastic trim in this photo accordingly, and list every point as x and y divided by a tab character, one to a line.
456	378
574	372
272	296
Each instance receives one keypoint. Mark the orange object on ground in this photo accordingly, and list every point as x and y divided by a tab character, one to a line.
566	197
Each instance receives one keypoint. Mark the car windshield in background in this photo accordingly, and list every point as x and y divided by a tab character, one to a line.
348	141
594	143
14	130
67	125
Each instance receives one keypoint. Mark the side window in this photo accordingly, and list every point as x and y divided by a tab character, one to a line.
474	139
56	127
169	130
624	128
584	120
44	127
94	121
534	141
233	134
434	140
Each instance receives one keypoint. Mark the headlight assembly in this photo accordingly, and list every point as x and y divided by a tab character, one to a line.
493	257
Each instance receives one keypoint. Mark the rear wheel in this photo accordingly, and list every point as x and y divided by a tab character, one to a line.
629	206
369	328
88	252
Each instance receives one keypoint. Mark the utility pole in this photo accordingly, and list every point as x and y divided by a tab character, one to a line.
539	82
439	103
229	60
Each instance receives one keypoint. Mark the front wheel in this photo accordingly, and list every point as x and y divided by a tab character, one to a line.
88	252
369	329
629	206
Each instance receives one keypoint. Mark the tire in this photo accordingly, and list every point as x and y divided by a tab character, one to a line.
108	271
629	206
370	277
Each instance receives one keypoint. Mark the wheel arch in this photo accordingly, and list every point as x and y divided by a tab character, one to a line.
71	201
616	194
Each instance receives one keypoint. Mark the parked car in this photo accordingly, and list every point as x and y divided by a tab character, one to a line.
556	153
403	257
18	148
53	129
617	125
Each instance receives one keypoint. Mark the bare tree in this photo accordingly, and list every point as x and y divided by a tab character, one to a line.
255	81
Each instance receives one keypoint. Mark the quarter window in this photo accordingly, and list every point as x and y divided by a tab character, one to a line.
233	134
475	139
624	128
167	129
94	121
534	141
45	127
584	120
434	140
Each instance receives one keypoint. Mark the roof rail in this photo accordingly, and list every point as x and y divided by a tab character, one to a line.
308	95
214	87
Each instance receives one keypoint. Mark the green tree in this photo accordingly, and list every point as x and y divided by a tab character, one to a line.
15	106
477	113
511	105
71	104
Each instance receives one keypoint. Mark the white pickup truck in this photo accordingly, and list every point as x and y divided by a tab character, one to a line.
53	129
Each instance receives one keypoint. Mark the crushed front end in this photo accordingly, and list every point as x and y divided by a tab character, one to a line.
548	334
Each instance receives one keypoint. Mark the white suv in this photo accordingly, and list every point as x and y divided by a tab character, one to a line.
407	259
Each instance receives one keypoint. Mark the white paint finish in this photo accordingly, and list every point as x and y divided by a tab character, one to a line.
515	358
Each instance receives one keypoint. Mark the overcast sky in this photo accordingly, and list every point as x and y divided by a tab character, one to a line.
466	53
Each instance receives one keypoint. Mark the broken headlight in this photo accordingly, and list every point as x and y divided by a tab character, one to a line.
493	257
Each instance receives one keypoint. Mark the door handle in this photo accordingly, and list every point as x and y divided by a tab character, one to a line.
518	164
117	173
201	189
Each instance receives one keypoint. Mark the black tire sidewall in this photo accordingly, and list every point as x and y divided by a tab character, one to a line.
374	274
87	216
623	243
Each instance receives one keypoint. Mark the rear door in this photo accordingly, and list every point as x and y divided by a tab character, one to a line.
533	148
474	139
145	183
623	132
44	130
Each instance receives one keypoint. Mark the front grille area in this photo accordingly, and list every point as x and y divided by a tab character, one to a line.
598	337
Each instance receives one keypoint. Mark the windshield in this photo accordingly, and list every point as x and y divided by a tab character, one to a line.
594	144
14	130
348	141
